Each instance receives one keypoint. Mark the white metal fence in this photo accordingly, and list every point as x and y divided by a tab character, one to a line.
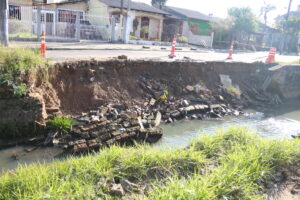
27	22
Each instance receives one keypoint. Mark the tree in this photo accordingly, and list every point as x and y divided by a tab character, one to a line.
222	30
239	25
291	28
158	3
243	19
264	11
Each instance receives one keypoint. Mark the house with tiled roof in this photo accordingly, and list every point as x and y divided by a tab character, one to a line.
195	26
146	22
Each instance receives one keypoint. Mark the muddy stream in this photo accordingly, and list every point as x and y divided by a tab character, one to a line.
282	122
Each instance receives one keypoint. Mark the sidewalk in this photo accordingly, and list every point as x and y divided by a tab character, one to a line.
104	46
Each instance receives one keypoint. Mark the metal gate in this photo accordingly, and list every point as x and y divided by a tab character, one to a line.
27	23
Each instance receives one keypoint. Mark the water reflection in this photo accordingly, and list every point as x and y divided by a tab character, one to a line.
285	121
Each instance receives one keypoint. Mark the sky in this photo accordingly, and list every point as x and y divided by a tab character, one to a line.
219	7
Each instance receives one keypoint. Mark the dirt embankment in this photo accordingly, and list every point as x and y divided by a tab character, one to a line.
110	95
79	86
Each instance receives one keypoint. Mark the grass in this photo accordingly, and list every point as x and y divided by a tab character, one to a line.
231	164
234	91
23	35
18	66
61	124
295	62
16	59
182	39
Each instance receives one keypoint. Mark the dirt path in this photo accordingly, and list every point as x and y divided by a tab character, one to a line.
287	191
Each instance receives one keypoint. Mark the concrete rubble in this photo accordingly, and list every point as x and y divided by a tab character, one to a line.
111	124
141	100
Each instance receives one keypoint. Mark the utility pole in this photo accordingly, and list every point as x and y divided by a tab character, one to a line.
122	17
282	45
127	24
4	22
122	6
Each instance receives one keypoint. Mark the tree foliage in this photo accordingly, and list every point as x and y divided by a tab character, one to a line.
222	25
291	29
264	11
243	19
292	26
239	25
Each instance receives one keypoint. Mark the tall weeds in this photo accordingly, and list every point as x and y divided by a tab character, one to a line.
17	66
230	164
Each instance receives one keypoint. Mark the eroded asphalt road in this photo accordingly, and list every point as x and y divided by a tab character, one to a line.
62	55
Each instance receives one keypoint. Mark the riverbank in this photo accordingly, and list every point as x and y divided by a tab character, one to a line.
231	164
130	97
281	123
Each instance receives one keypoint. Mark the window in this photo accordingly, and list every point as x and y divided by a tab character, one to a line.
117	18
15	12
68	16
49	17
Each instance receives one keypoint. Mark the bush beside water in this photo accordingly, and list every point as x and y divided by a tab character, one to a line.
63	125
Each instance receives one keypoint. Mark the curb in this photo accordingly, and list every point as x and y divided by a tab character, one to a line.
86	49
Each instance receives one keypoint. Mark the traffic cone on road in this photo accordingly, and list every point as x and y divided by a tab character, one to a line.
271	57
43	44
172	55
230	51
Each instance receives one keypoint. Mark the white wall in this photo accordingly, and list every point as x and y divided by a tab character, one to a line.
202	40
54	1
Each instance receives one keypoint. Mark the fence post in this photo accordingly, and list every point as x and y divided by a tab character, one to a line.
4	22
55	20
212	39
77	34
113	29
38	23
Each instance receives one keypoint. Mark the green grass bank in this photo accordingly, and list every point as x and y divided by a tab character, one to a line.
230	164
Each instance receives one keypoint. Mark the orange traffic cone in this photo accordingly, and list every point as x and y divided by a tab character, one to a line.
230	51
172	55
271	57
43	44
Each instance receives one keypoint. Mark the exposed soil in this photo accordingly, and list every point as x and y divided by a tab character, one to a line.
78	86
288	190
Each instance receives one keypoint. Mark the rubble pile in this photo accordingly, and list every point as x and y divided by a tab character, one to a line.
107	125
112	124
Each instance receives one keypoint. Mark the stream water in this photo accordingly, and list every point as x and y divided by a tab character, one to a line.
282	122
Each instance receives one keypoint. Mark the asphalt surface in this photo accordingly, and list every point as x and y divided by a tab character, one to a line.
58	51
62	55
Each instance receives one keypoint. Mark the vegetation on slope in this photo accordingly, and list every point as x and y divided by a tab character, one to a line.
63	125
17	67
231	164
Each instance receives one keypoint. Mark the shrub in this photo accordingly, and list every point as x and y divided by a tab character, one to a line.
234	91
182	39
15	65
20	90
14	60
145	32
61	124
132	37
